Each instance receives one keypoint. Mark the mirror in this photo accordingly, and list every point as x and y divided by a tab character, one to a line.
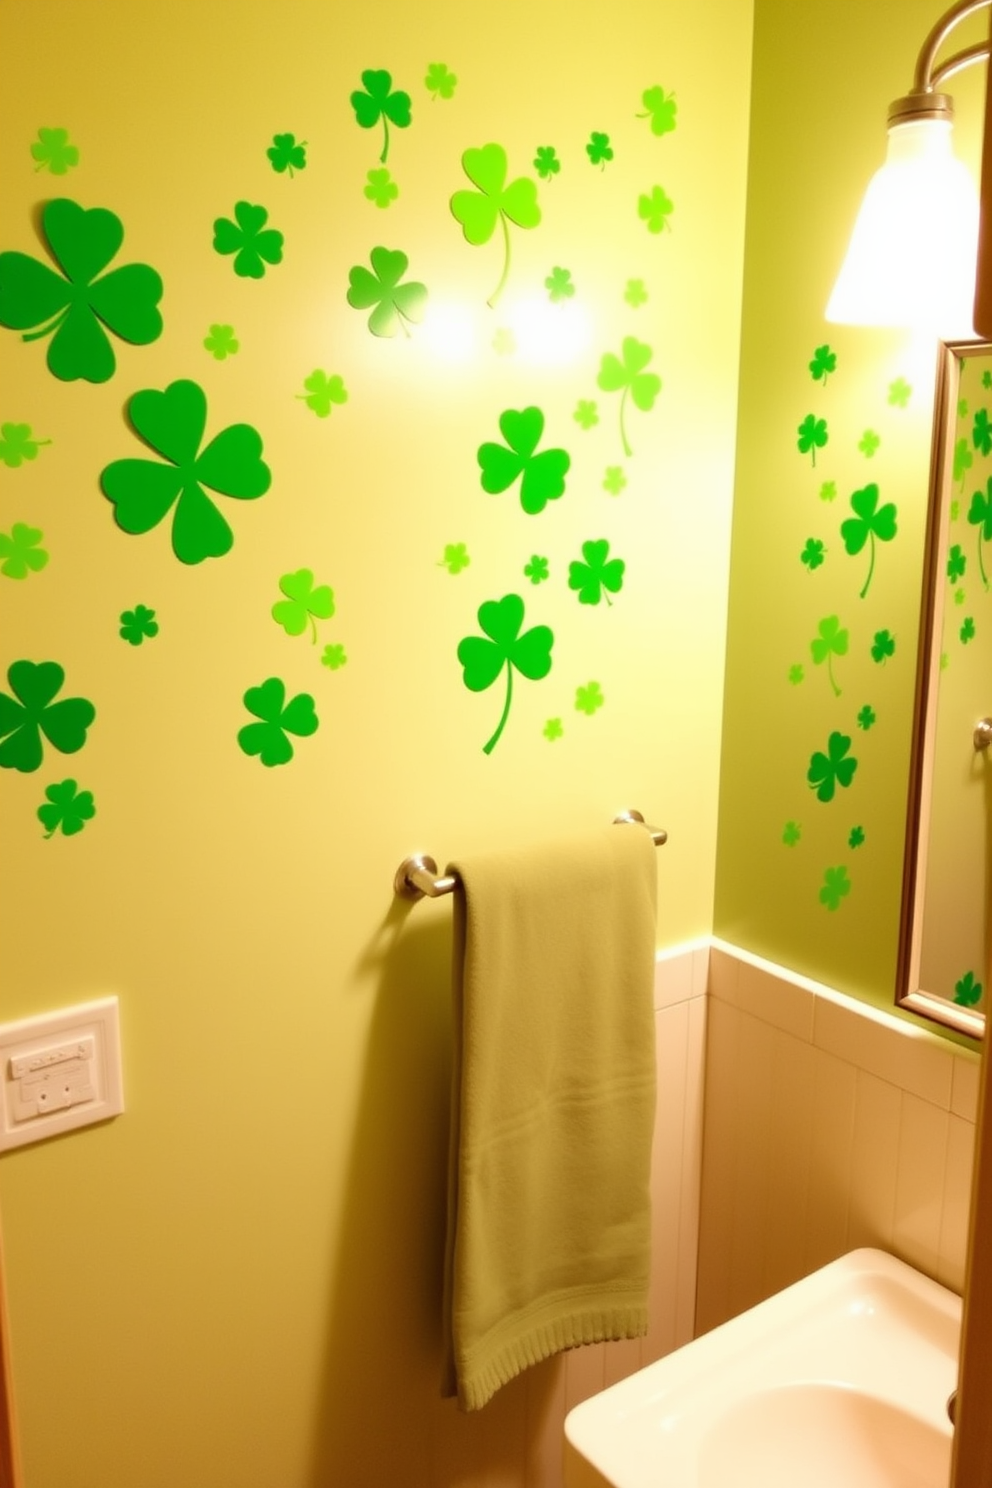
945	941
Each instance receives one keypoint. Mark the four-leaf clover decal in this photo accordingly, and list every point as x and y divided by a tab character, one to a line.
483	660
494	202
29	710
143	492
74	306
543	474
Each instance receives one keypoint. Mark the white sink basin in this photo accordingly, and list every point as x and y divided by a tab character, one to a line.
840	1381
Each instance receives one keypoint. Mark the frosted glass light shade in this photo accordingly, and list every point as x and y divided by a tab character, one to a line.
911	259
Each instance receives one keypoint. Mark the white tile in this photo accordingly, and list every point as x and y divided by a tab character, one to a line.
672	978
899	1052
920	1183
719	1157
791	1134
874	1163
584	1373
724	970
672	1027
752	1167
831	1144
776	1001
692	1160
956	1204
545	1424
967	1068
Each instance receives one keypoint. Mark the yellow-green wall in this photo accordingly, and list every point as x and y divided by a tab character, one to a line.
236	1284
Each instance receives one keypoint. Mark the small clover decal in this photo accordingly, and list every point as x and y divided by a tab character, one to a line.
981	432
635	294
589	698
812	435
543	474
661	108
957	564
614	479
812	553
835	768
968	990
830	641
20	553
74	309
824	362
483	660
882	647
836	885
869	443
796	674
828	491
253	244
32	711
322	390
67	808
967	631
596	578
553	729
494	202
18	445
455	558
856	837
599	149
536	570
626	374
866	718
381	188
869	522
303	605
334	658
269	738
138	625
394	303
655	210
143	492
559	285
791	833
546	162
285	155
980	516
586	414
440	82
53	152
899	393
221	342
963	461
378	101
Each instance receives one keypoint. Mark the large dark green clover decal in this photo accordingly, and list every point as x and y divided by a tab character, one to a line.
144	491
395	303
494	201
870	521
380	102
74	306
253	244
269	738
980	516
627	373
835	768
543	474
32	711
483	660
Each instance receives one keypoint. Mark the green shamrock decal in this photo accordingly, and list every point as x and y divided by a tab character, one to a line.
824	362
968	991
791	833
963	461
589	698
559	285
869	443
614	479
20	551
395	303
138	625
322	390
543	474
836	885
553	729
831	641
221	342
32	711
856	837
381	188
869	522
53	151
899	392
812	553
67	808
635	294
827	771
286	155
828	491
866	718
253	244
796	674
812	435
269	738
380	102
981	432
661	108
596	578
655	210
546	162
334	658
304	605
537	569
883	646
586	413
980	516
967	631
957	563
483	660
599	149
143	492
455	558
439	82
74	309
494	202
17	444
626	374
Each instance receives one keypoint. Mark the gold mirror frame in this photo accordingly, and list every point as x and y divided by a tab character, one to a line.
909	992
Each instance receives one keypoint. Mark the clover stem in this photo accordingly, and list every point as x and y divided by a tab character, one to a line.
488	748
491	302
385	143
313	627
623	428
871	566
981	565
830	674
53	325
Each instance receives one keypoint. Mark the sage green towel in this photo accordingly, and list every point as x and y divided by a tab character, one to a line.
548	1231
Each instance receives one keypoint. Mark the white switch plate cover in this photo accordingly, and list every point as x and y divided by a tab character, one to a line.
59	1071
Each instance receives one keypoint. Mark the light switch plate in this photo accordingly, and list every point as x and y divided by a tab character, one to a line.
59	1071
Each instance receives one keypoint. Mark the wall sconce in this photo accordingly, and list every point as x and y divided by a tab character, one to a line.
912	255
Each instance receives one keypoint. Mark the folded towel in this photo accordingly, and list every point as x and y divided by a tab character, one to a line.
548	1229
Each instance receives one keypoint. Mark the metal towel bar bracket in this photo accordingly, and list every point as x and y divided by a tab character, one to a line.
417	877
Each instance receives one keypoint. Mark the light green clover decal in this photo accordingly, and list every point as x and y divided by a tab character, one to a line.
380	102
74	309
20	551
304	605
53	151
830	642
828	771
543	474
791	833
221	342
483	660
455	558
824	362
626	373
322	390
869	442
546	162
494	201
440	81
286	155
333	658
596	575
968	991
796	674
655	210
589	698
870	522
980	516
253	244
614	479
32	711
813	435
963	461
143	492
553	730
381	188
635	294
828	491
586	413
395	303
68	808
138	625
269	738
559	285
899	392
660	108
836	885
18	445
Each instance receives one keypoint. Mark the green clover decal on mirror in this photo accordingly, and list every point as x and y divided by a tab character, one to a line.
483	660
394	303
74	306
32	711
269	738
143	492
980	516
380	102
494	202
543	474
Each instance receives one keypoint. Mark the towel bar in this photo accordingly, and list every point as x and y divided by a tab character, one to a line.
416	877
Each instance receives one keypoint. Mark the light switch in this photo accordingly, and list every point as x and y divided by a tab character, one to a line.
59	1071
